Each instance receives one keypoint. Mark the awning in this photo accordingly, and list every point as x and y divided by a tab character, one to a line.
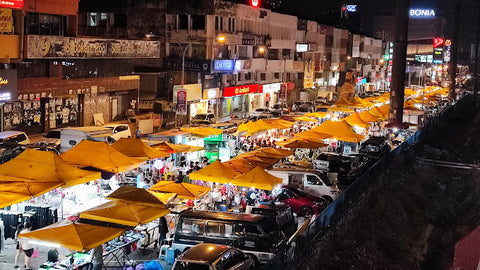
257	178
366	116
183	190
134	194
316	114
355	120
203	131
215	172
124	212
136	148
340	130
305	119
176	148
15	192
76	236
100	155
311	134
302	143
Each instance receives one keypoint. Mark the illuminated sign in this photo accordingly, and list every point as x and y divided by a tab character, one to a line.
3	81
422	13
11	4
437	42
302	47
255	3
448	42
8	84
351	8
223	65
240	90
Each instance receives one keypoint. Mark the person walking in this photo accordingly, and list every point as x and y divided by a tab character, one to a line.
138	133
162	230
97	257
17	243
26	247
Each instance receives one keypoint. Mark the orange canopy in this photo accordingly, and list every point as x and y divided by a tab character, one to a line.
312	134
301	143
257	178
215	172
340	130
366	116
355	120
100	155
136	148
15	192
183	190
134	194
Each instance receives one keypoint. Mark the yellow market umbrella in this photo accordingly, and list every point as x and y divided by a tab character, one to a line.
257	178
316	114
275	151
76	236
165	198
124	212
366	116
171	147
240	165
215	172
15	192
379	113
340	130
340	109
100	155
306	119
136	148
278	123
43	166
301	143
311	134
342	102
203	131
259	158
183	190
355	120
134	194
193	148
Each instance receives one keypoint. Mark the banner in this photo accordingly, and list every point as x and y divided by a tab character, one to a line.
240	90
308	75
69	47
5	20
182	102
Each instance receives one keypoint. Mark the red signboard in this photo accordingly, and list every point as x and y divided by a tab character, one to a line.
240	90
11	4
255	3
437	42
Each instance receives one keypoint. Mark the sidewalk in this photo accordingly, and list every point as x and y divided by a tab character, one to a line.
7	256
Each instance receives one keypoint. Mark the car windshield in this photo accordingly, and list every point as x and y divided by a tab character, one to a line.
299	192
53	134
182	265
200	117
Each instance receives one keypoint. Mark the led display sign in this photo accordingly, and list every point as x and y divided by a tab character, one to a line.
11	4
223	65
422	13
437	42
302	47
352	8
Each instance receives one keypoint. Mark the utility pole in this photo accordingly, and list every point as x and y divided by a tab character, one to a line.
397	86
454	52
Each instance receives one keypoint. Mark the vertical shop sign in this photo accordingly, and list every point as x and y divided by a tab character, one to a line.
182	102
6	20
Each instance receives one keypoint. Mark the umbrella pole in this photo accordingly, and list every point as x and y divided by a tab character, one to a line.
61	203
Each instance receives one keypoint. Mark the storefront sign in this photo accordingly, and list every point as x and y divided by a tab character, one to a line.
240	90
8	84
223	65
211	93
273	87
302	47
11	4
195	65
182	102
422	13
352	8
437	42
68	47
6	20
194	91
308	75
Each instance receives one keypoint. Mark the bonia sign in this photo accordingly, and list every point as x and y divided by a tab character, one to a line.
422	13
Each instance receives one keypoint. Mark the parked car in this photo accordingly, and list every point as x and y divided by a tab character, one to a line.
203	119
13	136
311	181
119	131
280	109
301	203
280	215
71	136
306	107
213	257
253	234
51	139
260	111
376	147
9	151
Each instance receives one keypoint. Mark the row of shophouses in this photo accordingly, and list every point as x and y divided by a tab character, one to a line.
65	60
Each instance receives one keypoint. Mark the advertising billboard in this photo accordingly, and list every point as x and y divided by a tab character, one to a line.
11	4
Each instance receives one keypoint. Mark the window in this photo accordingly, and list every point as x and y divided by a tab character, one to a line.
233	24
263	76
276	75
182	21
248	76
47	24
198	22
239	76
92	19
273	54
193	226
216	23
103	16
221	23
229	24
215	228
313	180
247	229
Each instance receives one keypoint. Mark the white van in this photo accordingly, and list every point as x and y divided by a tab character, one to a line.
13	136
119	131
71	136
311	181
